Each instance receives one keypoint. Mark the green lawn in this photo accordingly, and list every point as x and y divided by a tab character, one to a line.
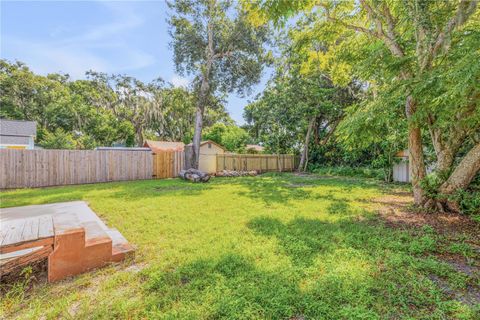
269	247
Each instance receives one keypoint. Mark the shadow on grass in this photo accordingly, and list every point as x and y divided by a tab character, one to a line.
233	287
301	239
161	188
269	188
230	287
304	239
272	190
340	270
284	187
135	190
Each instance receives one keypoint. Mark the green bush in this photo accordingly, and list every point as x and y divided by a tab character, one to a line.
431	183
469	203
59	139
469	200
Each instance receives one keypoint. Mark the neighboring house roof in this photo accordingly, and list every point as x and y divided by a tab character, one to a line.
164	145
255	147
122	149
209	141
18	128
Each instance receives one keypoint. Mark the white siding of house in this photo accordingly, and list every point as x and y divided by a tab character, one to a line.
27	144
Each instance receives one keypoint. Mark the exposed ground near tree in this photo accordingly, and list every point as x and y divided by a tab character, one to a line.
274	246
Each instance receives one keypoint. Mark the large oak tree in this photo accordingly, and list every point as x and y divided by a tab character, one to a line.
425	55
213	41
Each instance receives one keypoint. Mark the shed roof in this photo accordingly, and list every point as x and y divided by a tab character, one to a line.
402	154
164	145
122	149
209	141
18	128
255	147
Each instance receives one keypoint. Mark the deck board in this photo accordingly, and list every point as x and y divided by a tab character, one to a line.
45	227
3	234
30	230
13	230
19	231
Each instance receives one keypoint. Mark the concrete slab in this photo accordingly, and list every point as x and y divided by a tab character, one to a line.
79	208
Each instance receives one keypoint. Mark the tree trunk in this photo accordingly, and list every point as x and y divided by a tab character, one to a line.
446	149
417	166
194	175
415	155
139	137
444	160
464	172
197	134
204	91
331	132
304	156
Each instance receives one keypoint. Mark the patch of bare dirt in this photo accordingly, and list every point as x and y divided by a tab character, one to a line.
37	274
308	176
135	268
469	296
395	209
73	309
302	174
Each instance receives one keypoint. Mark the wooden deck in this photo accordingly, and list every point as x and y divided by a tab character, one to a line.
18	232
70	234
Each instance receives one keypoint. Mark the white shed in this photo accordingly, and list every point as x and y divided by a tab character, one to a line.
401	169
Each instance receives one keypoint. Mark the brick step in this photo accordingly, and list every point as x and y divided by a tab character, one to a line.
94	233
78	247
121	249
73	237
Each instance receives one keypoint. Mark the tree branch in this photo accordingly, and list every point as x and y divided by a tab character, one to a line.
464	172
389	38
465	9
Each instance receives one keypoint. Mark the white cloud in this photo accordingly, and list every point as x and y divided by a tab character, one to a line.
45	57
79	52
179	81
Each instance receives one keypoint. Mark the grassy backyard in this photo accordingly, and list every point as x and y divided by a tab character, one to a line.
274	247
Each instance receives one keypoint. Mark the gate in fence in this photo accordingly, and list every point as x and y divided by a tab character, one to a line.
167	164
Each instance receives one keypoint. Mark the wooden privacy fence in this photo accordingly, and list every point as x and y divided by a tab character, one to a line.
258	162
167	164
41	168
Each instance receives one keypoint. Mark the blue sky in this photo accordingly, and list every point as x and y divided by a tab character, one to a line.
72	37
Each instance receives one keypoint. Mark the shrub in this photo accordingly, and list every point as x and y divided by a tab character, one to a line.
58	140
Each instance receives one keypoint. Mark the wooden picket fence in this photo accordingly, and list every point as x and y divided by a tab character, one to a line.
167	164
258	162
42	168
